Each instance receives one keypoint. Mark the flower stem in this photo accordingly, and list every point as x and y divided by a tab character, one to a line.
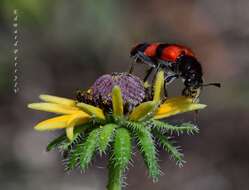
114	178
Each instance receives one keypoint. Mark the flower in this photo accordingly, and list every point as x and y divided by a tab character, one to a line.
102	120
77	113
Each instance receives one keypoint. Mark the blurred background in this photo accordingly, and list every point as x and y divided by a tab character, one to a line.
65	45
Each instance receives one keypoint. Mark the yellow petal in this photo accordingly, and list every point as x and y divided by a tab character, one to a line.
69	133
179	99
142	110
76	119
54	108
173	107
92	110
65	121
158	86
57	100
59	122
117	101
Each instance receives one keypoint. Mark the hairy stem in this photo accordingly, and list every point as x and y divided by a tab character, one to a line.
114	177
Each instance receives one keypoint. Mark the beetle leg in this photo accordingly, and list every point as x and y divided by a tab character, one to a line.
168	79
196	95
193	93
196	117
131	67
165	64
186	92
79	95
149	71
145	59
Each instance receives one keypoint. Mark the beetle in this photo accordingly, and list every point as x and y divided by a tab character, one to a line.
176	60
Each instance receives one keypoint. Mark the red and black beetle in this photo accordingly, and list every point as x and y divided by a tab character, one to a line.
176	60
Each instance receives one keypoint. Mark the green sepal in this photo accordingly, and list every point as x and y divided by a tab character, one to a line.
122	148
105	136
168	146
83	153
56	142
62	140
147	148
163	127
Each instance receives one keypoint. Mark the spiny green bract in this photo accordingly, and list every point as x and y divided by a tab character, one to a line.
105	136
122	148
148	150
173	151
56	142
165	127
147	147
62	141
82	154
118	133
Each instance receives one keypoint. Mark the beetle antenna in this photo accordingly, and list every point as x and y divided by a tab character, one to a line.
213	84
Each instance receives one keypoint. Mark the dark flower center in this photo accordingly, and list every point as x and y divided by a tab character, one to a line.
100	93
